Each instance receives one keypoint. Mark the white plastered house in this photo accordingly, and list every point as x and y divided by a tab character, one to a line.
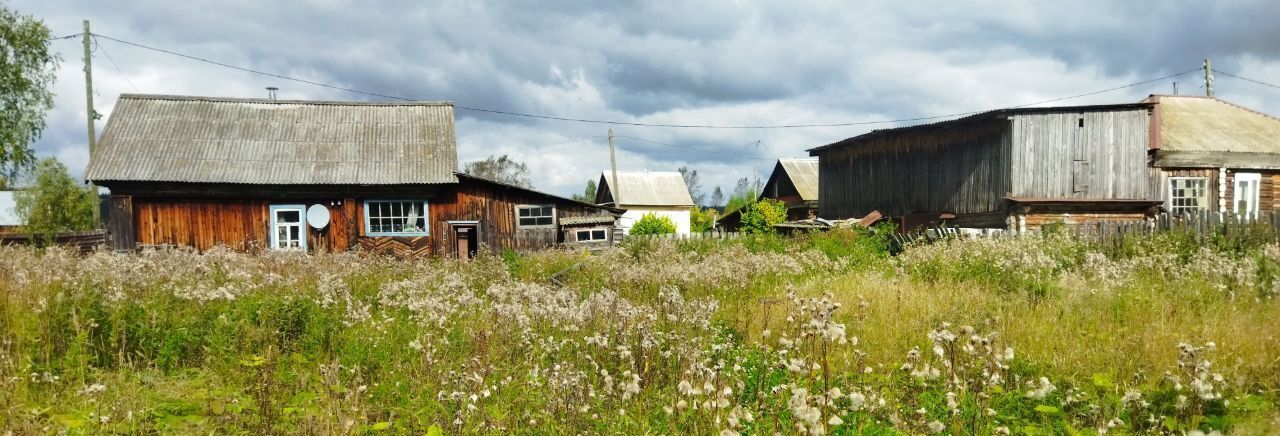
645	192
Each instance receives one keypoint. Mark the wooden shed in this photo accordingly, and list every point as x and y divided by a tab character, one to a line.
662	193
310	175
1212	155
1011	168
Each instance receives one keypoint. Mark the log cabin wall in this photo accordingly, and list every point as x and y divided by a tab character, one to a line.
240	224
1267	190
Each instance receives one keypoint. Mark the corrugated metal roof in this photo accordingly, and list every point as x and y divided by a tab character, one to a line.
976	117
1192	123
160	138
8	210
804	175
648	188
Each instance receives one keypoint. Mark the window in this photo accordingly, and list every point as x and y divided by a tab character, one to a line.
1188	194
1245	197
536	215
288	230
590	235
395	218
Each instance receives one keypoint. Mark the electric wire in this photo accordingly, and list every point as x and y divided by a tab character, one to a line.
626	123
96	44
1245	78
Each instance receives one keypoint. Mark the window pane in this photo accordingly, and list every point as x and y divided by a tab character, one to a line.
293	232
597	234
524	211
287	216
583	235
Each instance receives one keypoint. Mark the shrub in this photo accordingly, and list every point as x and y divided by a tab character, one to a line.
701	220
652	224
760	217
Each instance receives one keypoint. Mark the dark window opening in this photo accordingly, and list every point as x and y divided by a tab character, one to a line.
1080	122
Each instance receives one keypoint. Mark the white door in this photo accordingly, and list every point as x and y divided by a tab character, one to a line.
1246	193
288	231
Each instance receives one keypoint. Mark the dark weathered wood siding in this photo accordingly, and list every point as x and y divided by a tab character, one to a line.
1268	195
1097	154
960	168
240	220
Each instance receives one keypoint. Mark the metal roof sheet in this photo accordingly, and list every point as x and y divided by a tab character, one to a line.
576	220
160	138
648	188
1206	124
975	117
804	175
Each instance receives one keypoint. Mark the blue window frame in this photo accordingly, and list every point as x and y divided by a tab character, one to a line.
396	218
288	227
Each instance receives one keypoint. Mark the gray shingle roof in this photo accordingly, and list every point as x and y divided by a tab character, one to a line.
158	138
648	188
804	175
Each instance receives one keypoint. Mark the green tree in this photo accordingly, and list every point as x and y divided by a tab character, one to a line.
502	169
652	224
57	203
27	72
701	219
588	194
758	218
694	182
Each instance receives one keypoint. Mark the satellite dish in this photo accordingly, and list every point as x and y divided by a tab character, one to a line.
318	216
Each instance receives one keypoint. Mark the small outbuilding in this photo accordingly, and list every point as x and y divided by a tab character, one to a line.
646	192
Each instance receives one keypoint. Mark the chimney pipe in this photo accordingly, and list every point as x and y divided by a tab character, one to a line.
271	92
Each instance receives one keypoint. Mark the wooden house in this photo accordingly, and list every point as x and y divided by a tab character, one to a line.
1211	155
1010	169
315	176
646	192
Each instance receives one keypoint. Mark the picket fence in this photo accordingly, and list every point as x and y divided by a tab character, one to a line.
691	236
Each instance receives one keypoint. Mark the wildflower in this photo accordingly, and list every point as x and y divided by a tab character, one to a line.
936	427
414	344
93	389
835	421
1043	390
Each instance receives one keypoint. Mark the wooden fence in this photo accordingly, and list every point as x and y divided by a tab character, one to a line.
83	241
1201	224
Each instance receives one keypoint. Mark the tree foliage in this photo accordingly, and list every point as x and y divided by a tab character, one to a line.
589	194
653	224
717	197
27	72
57	203
502	169
744	193
701	219
694	182
758	218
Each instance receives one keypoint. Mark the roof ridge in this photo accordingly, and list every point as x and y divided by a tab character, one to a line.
1219	100
174	97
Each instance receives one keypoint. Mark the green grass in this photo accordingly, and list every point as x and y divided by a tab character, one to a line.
751	336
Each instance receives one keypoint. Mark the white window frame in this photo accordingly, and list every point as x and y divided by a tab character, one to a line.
604	232
273	226
519	207
1254	183
426	219
1202	200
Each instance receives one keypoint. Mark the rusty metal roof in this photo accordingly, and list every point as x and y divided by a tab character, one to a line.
647	188
162	138
1206	124
804	175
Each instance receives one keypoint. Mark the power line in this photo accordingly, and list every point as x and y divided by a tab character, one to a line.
1247	79
685	147
627	123
74	35
113	63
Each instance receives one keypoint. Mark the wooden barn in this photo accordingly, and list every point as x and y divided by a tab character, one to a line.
1211	155
1009	169
315	176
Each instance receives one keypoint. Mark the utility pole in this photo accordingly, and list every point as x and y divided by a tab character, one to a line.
1208	78
613	161
88	96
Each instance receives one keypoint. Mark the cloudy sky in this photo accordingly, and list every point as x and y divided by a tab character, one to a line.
729	63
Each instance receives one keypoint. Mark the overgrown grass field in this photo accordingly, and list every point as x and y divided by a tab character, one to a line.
817	334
